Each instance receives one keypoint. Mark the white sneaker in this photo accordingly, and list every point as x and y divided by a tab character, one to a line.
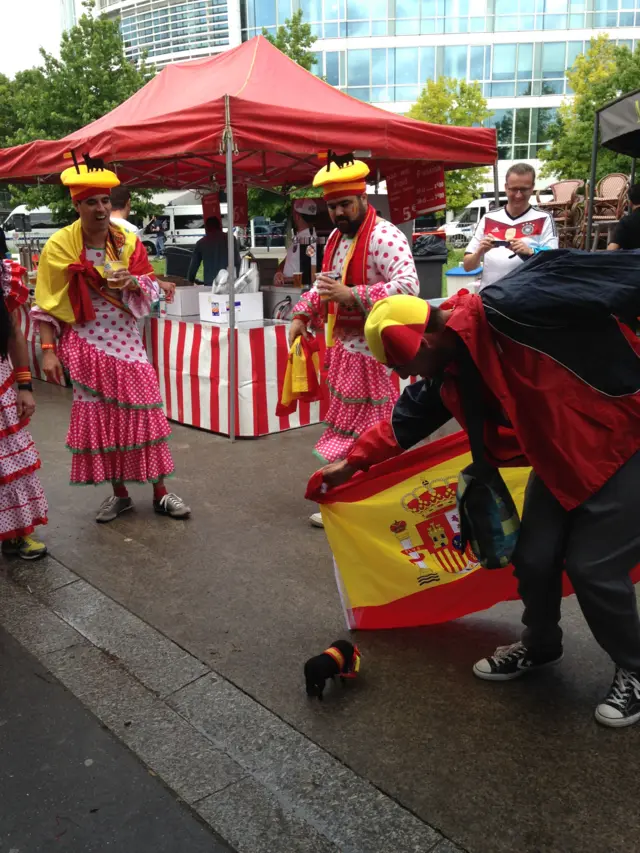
316	520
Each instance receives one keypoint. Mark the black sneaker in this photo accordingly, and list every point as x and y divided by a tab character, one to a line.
510	662
622	704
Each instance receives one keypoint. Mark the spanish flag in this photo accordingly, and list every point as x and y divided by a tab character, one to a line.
394	533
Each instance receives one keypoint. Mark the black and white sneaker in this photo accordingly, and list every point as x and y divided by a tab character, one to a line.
622	704
508	662
172	505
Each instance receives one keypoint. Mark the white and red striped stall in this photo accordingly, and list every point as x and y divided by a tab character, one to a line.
191	359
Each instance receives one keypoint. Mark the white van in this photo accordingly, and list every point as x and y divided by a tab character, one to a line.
24	225
184	226
460	230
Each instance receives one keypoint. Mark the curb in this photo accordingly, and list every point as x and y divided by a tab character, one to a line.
260	784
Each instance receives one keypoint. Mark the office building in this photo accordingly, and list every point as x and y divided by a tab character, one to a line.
383	51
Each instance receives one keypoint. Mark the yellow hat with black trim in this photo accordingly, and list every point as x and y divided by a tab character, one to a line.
82	183
339	182
395	327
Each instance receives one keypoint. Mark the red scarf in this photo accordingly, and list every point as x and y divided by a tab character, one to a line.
354	271
83	276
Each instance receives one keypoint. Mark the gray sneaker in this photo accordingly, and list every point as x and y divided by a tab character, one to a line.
172	506
112	507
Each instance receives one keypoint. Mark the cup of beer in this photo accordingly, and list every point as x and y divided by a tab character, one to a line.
111	267
336	276
297	279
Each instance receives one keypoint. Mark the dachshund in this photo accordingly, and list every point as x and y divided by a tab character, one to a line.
342	658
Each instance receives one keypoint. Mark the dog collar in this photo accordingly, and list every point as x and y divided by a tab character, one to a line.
337	655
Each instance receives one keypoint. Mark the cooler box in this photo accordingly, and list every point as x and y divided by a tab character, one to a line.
185	301
214	308
458	279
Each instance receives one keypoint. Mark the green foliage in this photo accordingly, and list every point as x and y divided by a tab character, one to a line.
602	74
91	77
294	39
454	102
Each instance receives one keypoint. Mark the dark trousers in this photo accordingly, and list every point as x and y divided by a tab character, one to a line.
597	544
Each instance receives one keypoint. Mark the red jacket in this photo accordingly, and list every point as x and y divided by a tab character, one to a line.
568	396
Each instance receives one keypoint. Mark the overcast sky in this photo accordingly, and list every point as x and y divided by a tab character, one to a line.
28	25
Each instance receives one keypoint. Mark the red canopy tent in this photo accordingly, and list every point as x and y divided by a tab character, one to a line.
173	132
249	115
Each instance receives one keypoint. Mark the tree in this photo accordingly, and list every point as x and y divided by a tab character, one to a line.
295	39
454	102
603	73
92	77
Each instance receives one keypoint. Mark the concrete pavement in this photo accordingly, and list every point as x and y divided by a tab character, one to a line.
247	588
67	784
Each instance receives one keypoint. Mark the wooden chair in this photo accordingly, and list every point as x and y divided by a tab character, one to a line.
608	193
565	194
608	218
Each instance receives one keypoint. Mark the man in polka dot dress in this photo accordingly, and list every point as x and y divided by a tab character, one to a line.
366	259
94	283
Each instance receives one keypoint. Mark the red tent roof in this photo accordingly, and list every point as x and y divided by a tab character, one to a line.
171	132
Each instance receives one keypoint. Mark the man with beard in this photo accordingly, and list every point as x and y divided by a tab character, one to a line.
542	361
366	259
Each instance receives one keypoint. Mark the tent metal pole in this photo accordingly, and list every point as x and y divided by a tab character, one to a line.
592	182
496	188
233	379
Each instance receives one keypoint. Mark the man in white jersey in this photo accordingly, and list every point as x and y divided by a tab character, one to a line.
508	236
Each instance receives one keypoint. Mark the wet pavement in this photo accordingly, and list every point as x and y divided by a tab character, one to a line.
247	587
67	784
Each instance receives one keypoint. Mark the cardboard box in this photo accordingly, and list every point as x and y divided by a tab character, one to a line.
185	301
215	308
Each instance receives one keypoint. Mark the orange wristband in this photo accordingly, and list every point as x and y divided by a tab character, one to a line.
48	346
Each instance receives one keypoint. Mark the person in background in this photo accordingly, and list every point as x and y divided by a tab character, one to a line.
506	237
304	209
156	227
121	208
627	231
120	213
212	250
4	249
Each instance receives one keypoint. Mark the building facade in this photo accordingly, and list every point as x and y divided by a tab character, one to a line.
175	30
383	51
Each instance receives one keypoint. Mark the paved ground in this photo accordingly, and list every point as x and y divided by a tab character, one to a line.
67	784
246	586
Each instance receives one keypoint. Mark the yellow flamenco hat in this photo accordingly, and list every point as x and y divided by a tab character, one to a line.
338	182
83	183
395	327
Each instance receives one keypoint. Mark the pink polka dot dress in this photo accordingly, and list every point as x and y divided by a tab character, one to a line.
361	390
23	504
118	430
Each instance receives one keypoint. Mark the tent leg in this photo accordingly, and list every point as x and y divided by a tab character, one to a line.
496	188
592	183
233	379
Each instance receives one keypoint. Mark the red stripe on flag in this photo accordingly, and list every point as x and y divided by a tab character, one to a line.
443	602
182	331
282	357
214	376
388	474
166	350
259	382
194	374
